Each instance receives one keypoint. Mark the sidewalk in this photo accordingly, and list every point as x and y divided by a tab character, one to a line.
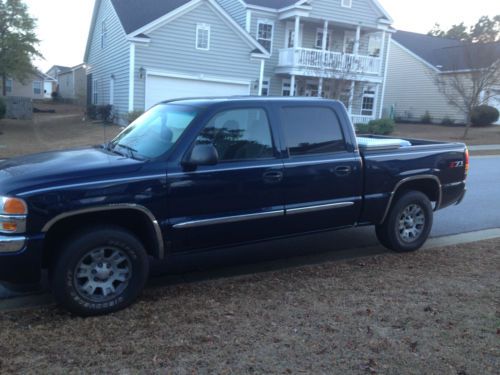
484	148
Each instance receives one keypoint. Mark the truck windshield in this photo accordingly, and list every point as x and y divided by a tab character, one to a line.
155	132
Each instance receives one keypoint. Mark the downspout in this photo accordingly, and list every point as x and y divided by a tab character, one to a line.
131	83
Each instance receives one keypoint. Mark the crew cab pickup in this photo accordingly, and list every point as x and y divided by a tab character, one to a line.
199	174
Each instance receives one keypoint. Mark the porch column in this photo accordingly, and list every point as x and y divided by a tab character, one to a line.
358	38
261	76
351	96
323	49
375	101
292	85
297	32
382	52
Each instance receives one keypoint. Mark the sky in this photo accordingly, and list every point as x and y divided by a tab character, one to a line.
63	25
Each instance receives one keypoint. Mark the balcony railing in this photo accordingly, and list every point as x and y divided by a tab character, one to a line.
359	119
332	61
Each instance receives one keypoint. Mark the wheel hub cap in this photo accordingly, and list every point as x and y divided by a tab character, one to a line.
102	274
411	223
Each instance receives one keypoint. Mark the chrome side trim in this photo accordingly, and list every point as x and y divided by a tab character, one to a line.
19	220
144	210
413	178
11	244
316	162
229	219
111	181
321	207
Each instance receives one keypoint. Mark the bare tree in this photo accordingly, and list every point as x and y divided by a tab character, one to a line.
467	81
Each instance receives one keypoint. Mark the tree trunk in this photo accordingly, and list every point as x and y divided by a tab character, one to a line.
4	82
467	125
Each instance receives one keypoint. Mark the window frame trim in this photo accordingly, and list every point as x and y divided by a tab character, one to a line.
95	91
263	21
104	33
203	27
41	87
7	87
346	4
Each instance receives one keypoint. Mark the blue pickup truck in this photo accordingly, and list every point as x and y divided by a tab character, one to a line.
199	174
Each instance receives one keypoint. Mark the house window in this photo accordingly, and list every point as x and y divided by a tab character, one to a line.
374	45
203	37
290	38
368	103
286	87
319	39
347	3
349	41
95	92
8	86
104	34
265	34
265	87
37	87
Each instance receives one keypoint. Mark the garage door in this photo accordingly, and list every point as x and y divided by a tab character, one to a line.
163	88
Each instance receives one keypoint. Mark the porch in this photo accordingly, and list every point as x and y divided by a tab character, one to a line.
348	63
361	99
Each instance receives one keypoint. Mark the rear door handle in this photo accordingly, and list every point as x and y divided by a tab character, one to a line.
343	170
273	177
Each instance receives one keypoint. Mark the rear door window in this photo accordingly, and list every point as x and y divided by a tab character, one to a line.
312	130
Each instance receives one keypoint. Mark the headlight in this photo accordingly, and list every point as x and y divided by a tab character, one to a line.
13	212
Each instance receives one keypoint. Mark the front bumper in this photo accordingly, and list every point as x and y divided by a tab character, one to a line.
11	244
20	259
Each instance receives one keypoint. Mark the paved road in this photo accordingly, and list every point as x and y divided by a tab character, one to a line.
479	210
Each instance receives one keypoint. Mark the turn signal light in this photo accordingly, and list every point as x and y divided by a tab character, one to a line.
14	206
9	227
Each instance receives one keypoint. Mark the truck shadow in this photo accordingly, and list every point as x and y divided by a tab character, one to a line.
267	256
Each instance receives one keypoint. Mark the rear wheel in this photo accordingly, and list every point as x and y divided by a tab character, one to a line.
100	271
408	223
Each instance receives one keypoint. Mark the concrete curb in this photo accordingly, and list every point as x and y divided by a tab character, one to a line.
44	299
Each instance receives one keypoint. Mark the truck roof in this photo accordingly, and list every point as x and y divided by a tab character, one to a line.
221	99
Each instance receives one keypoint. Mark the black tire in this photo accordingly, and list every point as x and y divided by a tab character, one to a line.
408	223
87	286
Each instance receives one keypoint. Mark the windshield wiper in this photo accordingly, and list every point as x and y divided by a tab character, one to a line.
132	152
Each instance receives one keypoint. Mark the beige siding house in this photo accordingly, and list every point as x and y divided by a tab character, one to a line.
34	87
73	84
415	62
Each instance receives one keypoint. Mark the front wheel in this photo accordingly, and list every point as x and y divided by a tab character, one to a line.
99	271
408	223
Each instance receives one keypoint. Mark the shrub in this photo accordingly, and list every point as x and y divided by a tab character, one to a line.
484	115
55	96
362	128
100	112
3	109
447	121
426	118
383	126
105	113
134	115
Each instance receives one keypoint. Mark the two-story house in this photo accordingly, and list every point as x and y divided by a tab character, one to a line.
139	53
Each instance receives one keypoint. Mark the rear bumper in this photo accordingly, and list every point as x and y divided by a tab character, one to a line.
452	194
20	259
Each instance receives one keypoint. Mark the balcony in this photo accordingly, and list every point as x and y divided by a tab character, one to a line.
334	62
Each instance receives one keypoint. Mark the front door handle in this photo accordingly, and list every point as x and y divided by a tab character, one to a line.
343	170
273	177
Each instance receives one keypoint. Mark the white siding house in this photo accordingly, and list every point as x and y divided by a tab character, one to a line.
140	53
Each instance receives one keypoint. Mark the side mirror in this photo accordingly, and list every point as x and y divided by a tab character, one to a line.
202	155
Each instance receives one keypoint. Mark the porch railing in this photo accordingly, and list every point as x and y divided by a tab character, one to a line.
359	119
333	61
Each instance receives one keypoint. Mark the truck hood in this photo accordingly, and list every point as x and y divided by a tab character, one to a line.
48	169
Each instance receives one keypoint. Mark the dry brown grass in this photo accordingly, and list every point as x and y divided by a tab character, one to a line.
431	312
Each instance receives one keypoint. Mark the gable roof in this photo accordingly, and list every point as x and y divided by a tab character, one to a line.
275	4
60	68
448	54
135	14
